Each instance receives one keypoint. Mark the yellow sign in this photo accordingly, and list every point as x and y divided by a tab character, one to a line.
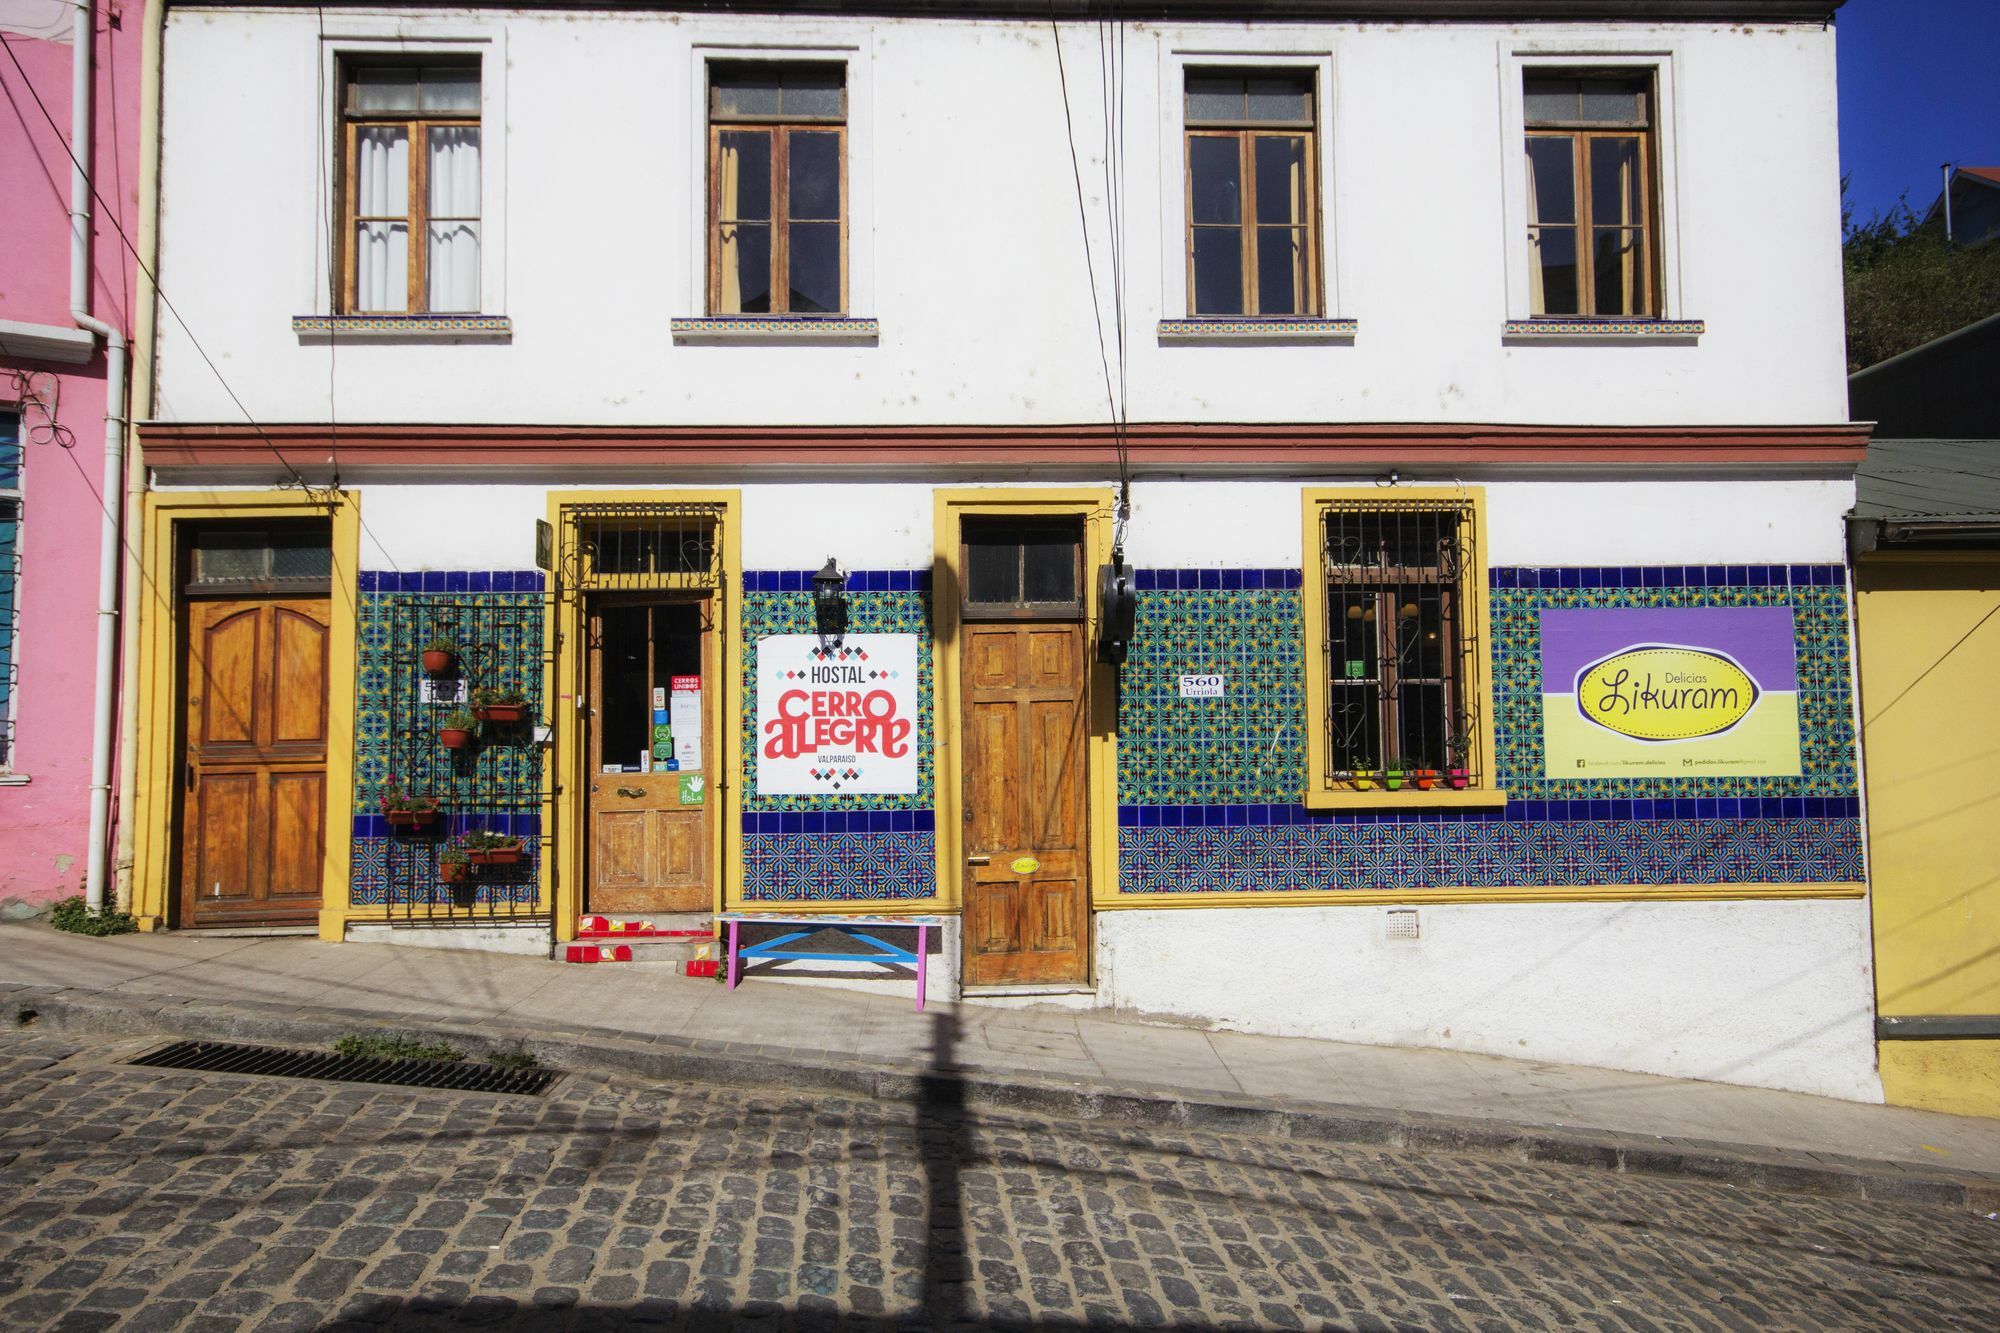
1024	865
1665	694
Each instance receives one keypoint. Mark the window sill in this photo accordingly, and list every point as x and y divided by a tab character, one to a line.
403	328
1685	331
1255	329
1409	798
774	329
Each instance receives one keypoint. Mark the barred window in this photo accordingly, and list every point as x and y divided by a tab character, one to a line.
1397	603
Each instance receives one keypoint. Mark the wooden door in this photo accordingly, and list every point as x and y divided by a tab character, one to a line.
1027	881
650	834
253	830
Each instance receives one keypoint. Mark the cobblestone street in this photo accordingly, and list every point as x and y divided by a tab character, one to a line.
150	1199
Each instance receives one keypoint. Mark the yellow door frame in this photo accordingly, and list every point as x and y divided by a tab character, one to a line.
1095	506
722	707
157	603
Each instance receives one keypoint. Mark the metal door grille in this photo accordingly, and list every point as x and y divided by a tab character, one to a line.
667	547
1401	649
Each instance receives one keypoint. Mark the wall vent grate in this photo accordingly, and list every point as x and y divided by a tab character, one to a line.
1401	924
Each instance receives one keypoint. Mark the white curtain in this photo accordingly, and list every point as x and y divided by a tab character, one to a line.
454	213
1537	303
382	248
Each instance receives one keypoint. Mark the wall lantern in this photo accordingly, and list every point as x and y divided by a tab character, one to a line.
830	605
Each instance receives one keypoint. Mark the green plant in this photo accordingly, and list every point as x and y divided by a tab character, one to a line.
512	1059
440	643
454	856
487	696
459	720
485	840
396	796
394	1046
74	915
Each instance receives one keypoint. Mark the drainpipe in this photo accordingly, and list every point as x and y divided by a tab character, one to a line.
103	706
1946	168
145	317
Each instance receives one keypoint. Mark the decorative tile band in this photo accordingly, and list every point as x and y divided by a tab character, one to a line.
845	867
1606	328
1515	812
402	872
1670	576
1412	857
365	326
835	823
775	326
1259	328
451	580
1215	580
858	580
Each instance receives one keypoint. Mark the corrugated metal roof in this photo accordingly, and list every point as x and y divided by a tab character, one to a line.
1938	480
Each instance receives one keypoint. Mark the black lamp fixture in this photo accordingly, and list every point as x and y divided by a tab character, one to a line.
830	604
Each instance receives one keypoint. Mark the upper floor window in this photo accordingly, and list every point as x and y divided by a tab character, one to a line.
1592	195
777	187
410	188
10	566
1252	193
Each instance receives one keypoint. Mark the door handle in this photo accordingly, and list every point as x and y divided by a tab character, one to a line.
631	793
979	860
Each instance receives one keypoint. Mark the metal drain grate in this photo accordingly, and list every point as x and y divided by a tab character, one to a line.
461	1076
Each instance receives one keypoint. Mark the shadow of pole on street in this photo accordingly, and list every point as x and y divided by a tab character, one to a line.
944	1129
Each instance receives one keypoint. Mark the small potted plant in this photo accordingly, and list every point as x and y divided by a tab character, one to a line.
440	654
1458	773
454	865
1425	778
403	808
1393	773
484	848
497	705
1363	779
455	732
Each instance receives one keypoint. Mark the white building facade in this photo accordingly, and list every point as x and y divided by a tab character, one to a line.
1461	403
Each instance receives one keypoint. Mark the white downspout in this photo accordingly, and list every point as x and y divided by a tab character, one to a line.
103	705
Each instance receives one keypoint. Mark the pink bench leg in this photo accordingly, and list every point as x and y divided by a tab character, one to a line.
923	956
732	954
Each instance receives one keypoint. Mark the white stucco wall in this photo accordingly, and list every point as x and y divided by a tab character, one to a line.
1771	994
966	241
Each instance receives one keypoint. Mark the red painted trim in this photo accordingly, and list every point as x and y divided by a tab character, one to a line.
1217	447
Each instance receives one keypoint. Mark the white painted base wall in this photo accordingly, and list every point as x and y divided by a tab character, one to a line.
1769	994
529	941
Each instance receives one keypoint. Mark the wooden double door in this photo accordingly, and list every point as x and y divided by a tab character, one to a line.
1027	880
651	826
253	827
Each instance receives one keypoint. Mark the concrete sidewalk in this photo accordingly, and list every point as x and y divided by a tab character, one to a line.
509	1000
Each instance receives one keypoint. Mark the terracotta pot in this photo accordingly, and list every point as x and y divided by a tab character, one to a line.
454	738
500	712
439	660
411	818
454	872
497	856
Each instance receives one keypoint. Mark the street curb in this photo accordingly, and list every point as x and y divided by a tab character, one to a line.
749	1066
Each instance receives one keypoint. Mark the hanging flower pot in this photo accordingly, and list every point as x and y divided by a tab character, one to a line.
403	808
455	733
492	849
501	706
454	867
440	656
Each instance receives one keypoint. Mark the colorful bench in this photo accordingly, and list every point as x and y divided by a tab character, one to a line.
854	927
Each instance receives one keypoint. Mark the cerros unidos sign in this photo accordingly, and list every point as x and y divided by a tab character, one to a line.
837	720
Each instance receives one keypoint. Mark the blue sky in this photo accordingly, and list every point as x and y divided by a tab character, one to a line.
1919	85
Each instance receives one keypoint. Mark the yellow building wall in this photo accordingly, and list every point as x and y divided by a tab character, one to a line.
1928	633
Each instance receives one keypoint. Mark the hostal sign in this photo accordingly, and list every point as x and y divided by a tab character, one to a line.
837	720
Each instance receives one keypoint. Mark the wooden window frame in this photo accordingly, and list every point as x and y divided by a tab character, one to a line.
1581	134
780	127
1246	132
971	611
1470	662
418	127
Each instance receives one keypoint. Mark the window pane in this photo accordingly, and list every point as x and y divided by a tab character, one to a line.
454	171
1551	178
744	165
815	172
1215	170
452	90
453	263
1218	271
382	171
382	267
737	91
745	269
1422	744
1551	100
1616	177
813	91
231	556
1618	260
1286	99
1281	270
992	571
1281	178
1051	571
301	559
1215	97
1622	102
384	89
1552	271
815	264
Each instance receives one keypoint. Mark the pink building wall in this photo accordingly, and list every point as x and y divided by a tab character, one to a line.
44	785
